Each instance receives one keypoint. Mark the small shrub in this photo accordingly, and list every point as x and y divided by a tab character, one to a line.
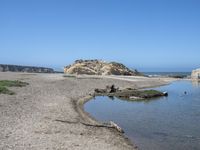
4	90
8	83
69	76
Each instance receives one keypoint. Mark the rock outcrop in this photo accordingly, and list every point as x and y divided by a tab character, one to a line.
16	68
128	94
99	67
195	74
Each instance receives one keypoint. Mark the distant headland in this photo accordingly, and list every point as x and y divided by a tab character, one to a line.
30	69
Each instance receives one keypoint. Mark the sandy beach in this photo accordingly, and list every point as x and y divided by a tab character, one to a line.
48	114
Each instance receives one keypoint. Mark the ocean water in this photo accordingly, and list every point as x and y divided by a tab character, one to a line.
167	73
166	123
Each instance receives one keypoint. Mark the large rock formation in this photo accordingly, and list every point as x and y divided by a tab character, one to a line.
15	68
195	74
99	67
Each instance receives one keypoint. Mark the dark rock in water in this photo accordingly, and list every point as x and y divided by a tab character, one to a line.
30	69
165	93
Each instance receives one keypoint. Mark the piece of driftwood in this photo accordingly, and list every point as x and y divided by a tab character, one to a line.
66	121
110	125
116	127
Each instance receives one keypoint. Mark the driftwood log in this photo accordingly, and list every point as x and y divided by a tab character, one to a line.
116	127
104	125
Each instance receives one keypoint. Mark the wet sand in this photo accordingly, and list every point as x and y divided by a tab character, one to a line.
48	114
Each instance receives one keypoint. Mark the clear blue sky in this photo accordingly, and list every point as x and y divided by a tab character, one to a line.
150	35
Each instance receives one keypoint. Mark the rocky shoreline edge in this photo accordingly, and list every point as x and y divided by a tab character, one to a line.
88	119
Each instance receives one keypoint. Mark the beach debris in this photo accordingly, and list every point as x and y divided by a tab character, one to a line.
108	89
111	89
104	125
100	90
116	127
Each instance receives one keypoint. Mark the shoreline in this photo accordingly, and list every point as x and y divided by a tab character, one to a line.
90	119
51	109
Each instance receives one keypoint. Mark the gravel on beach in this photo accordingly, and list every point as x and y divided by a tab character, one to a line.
29	119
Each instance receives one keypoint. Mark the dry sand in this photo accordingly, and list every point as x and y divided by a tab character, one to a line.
32	119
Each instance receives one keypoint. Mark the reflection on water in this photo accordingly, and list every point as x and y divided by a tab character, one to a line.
196	83
167	123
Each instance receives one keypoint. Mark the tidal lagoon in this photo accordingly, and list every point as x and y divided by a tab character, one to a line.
165	123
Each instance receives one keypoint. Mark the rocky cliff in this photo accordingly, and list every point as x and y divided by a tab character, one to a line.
195	74
99	67
16	68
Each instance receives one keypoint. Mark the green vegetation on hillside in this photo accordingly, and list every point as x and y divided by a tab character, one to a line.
8	83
